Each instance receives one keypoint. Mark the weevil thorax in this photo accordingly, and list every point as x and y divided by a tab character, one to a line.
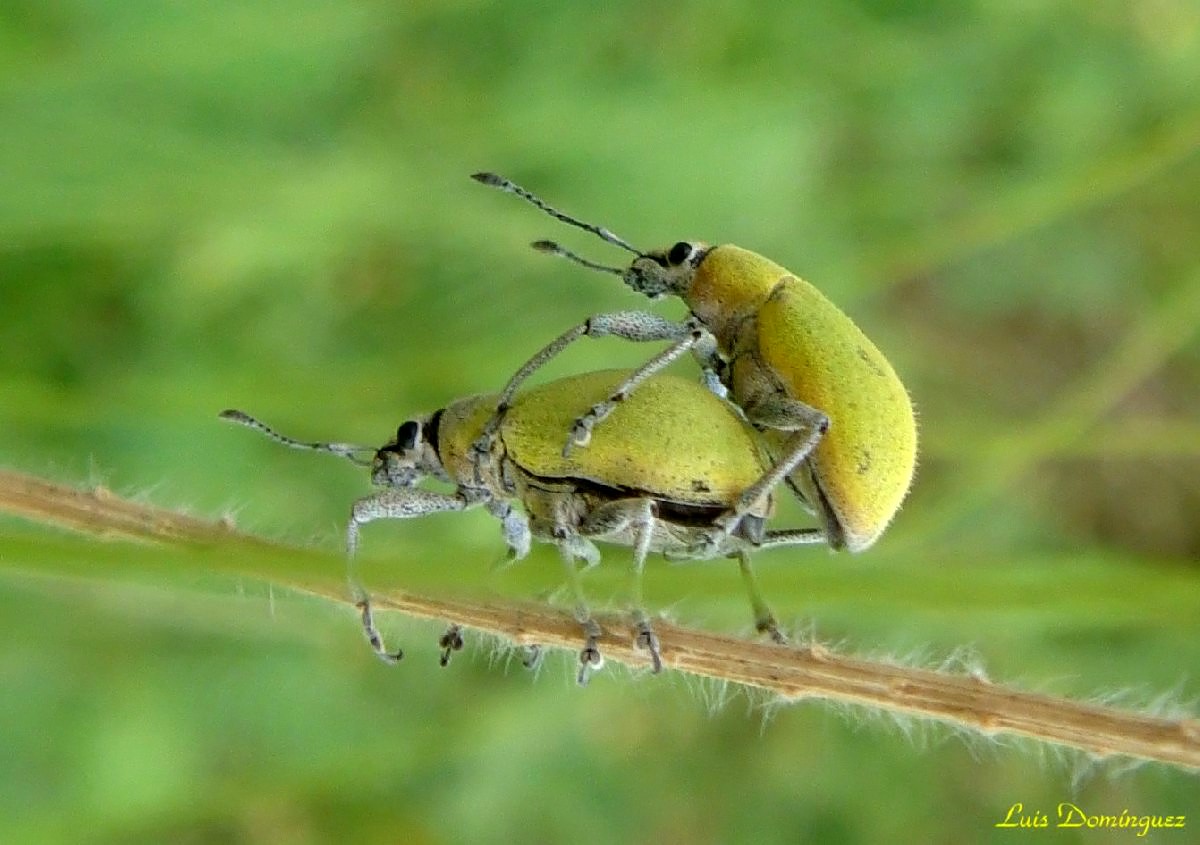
411	455
459	425
728	285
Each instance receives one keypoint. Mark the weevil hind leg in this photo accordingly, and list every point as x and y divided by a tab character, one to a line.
804	483
764	619
635	518
776	411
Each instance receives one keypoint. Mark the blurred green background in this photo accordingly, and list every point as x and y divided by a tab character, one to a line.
266	205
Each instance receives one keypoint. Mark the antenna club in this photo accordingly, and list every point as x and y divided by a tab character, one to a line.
496	181
555	249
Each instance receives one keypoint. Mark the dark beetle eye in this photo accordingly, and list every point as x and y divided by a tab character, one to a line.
406	435
679	253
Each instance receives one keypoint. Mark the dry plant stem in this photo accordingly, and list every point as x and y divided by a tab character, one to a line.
965	701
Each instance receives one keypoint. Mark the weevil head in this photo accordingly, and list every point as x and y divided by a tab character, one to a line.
411	455
668	271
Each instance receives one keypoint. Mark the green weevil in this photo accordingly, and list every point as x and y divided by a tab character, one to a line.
827	399
669	462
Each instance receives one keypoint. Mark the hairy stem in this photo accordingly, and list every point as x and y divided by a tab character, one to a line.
965	701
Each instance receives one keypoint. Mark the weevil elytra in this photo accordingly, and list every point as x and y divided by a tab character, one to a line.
829	401
665	465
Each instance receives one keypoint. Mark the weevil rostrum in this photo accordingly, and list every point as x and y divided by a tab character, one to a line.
668	462
827	399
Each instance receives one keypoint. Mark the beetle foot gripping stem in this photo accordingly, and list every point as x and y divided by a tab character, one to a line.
450	642
373	635
590	658
764	619
531	657
647	640
770	627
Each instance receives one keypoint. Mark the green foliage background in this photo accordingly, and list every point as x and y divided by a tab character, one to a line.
265	205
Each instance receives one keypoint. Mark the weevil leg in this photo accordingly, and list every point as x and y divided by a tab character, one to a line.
572	547
400	503
639	326
634	517
393	503
450	642
764	619
590	658
714	384
581	431
532	657
807	424
515	525
647	640
712	365
374	638
804	484
792	537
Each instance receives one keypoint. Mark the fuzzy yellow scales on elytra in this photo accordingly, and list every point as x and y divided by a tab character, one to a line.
864	464
672	437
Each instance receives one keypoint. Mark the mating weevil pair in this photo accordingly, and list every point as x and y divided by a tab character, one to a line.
833	415
798	367
654	487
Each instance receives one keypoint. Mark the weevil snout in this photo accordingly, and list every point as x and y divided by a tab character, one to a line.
669	271
393	468
406	459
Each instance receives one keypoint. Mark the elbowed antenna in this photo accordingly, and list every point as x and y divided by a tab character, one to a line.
345	450
495	181
554	249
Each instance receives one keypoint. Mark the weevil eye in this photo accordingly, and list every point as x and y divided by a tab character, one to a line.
406	435
679	253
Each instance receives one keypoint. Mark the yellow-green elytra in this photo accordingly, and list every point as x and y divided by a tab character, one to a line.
672	439
663	469
838	416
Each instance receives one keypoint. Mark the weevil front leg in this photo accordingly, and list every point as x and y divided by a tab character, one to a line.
634	517
393	503
777	411
692	333
639	326
713	366
374	638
